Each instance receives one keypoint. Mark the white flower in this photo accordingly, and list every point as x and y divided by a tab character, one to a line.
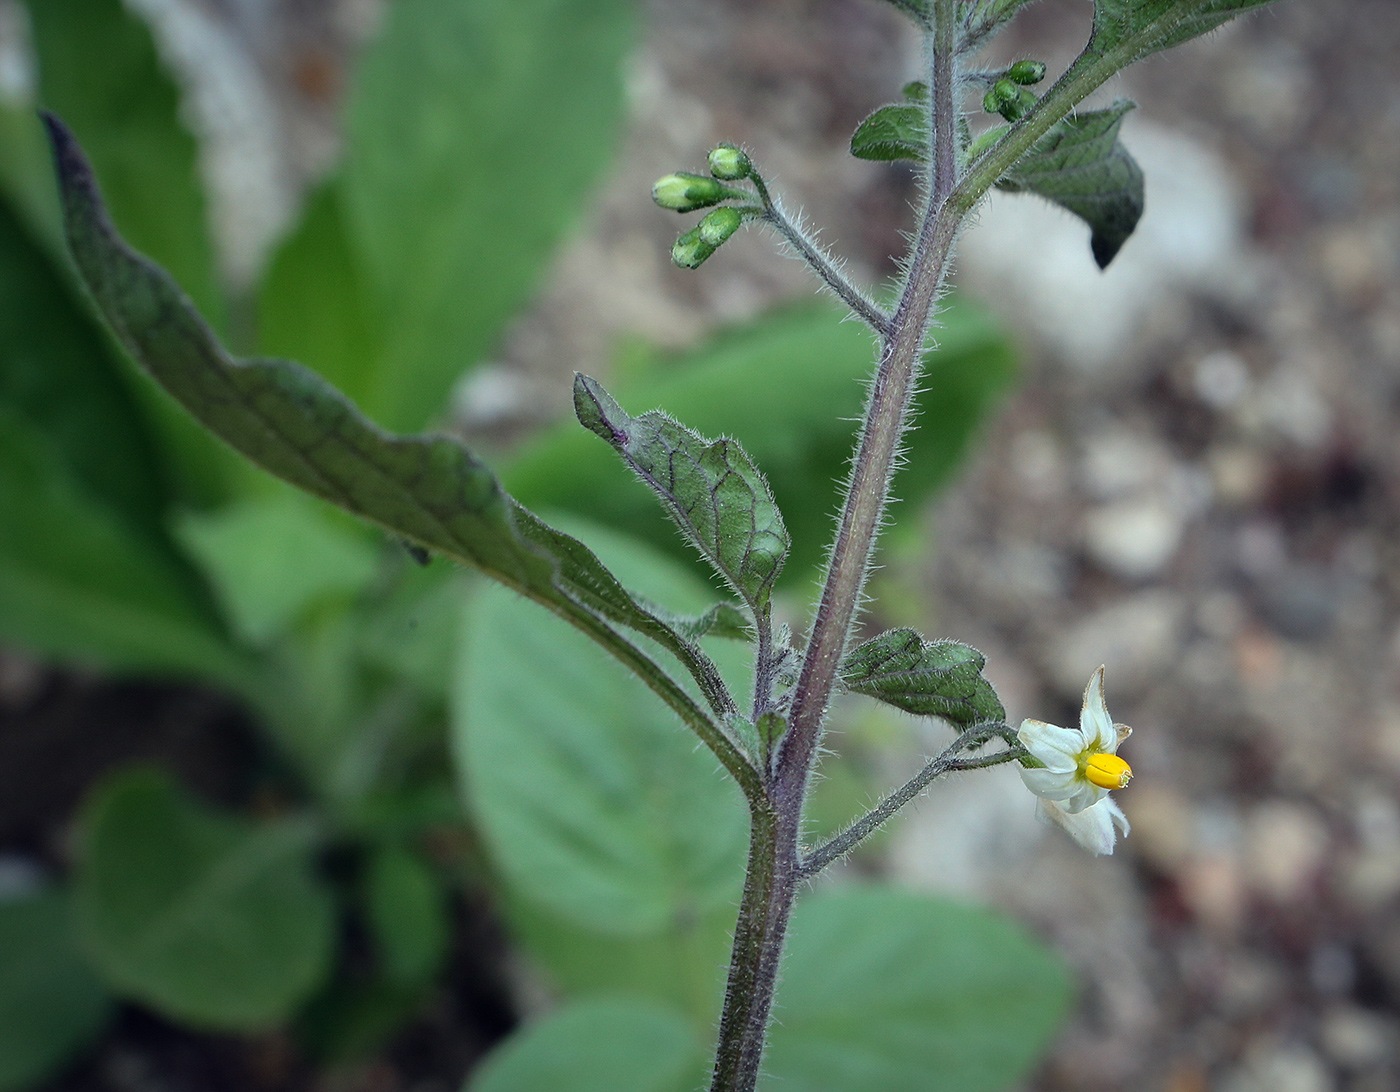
1078	768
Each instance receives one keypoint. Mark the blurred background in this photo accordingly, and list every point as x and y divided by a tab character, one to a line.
1194	480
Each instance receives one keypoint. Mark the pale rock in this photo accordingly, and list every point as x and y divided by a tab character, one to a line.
965	835
1118	460
1134	538
1285	846
1135	638
1031	260
1355	1038
1280	1067
1161	819
1221	379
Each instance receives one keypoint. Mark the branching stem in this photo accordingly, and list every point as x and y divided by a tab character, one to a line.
947	762
822	263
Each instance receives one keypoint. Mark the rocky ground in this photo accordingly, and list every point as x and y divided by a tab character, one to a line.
1196	483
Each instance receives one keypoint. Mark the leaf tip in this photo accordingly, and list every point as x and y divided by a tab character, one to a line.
596	410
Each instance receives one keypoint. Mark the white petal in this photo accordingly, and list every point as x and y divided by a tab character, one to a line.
1059	748
1086	794
1094	721
1050	784
1091	828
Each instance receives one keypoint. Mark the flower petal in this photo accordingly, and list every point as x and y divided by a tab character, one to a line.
1051	784
1094	722
1086	794
1092	828
1059	748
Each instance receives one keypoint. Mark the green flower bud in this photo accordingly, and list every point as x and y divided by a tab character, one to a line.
686	192
691	250
729	163
1008	100
1026	73
718	225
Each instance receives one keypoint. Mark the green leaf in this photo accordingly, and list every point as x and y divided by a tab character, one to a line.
430	490
710	488
682	965
271	557
58	370
1081	166
592	801
618	1044
898	131
211	920
927	678
77	582
51	1005
885	989
788	388
474	135
1128	30
982	17
407	912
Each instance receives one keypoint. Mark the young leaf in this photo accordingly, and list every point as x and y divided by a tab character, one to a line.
711	489
620	1044
897	131
786	387
211	920
881	989
1081	166
928	678
51	1004
1128	30
430	490
593	805
474	133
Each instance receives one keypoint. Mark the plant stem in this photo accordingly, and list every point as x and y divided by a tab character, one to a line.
774	859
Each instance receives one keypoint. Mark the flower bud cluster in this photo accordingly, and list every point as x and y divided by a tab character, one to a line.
686	192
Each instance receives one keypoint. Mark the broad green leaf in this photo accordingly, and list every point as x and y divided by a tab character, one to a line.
710	488
407	913
51	1005
314	305
612	1044
474	134
1128	30
58	371
77	582
26	176
788	388
682	965
211	920
1081	166
885	989
430	490
593	802
927	678
271	557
